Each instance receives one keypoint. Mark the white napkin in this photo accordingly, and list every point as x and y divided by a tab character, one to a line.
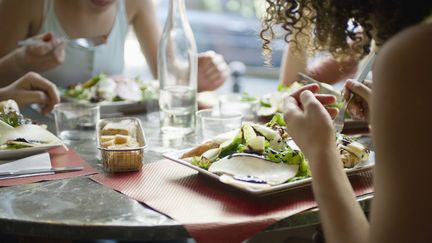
38	161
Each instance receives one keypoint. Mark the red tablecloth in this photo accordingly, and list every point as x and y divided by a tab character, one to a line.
59	158
210	210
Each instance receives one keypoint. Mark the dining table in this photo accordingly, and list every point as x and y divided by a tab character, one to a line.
80	209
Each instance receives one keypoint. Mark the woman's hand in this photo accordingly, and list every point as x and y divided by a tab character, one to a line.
309	121
32	88
212	71
359	105
39	57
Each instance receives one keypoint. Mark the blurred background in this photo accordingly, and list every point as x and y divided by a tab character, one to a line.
230	28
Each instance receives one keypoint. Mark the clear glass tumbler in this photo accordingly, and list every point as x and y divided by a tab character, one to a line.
75	121
211	123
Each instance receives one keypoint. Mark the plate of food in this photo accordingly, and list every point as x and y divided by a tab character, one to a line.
19	137
115	95
262	159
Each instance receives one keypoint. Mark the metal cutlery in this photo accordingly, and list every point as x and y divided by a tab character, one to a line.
39	171
339	120
323	86
87	43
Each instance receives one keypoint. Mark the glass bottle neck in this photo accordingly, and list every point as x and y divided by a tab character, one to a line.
177	11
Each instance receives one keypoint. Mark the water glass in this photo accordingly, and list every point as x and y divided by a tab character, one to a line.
211	123
229	103
75	121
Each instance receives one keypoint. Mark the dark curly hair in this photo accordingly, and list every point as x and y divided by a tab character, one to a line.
343	27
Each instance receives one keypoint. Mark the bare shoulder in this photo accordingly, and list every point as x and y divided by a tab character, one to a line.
407	55
136	7
414	43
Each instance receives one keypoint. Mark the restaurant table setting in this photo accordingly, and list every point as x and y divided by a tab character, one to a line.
209	210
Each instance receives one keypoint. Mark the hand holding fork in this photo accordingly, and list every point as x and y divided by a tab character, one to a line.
339	120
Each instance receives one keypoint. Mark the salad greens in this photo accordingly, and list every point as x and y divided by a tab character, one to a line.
268	141
14	119
246	97
102	88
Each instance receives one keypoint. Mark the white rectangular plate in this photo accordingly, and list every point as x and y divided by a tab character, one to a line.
363	166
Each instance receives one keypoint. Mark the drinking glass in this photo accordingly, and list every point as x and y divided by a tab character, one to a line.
75	121
229	103
211	123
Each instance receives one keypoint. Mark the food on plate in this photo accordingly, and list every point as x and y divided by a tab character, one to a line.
17	132
27	135
122	143
264	147
8	106
259	156
351	151
270	104
200	149
10	114
102	88
254	169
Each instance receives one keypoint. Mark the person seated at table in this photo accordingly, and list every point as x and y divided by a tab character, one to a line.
400	117
32	89
51	21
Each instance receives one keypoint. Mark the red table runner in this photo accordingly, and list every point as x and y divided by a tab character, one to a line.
59	158
210	210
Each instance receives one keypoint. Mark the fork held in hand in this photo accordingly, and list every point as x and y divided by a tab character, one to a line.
339	120
87	43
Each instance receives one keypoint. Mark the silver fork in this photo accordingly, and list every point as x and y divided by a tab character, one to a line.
339	120
87	43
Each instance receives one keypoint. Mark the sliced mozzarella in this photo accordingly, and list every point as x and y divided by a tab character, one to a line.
272	173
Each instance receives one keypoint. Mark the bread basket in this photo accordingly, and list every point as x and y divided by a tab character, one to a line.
122	159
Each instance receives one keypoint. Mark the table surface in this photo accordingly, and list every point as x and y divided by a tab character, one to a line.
80	208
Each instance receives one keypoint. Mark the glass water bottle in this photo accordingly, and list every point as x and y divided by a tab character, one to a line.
177	73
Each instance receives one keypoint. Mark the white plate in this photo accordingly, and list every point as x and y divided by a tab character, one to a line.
363	166
119	108
25	152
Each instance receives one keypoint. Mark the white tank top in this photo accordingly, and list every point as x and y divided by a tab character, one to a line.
81	64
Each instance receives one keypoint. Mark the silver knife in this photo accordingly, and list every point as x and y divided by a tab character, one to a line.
39	171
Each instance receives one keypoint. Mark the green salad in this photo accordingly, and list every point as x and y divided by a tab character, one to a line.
268	141
102	88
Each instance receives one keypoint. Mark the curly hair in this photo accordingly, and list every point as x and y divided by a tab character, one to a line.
345	28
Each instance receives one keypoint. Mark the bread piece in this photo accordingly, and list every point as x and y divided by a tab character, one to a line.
121	139
114	128
200	149
106	138
108	144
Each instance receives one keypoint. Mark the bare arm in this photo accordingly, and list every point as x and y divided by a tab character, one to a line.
292	63
146	29
330	71
15	61
310	125
401	119
13	27
326	70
